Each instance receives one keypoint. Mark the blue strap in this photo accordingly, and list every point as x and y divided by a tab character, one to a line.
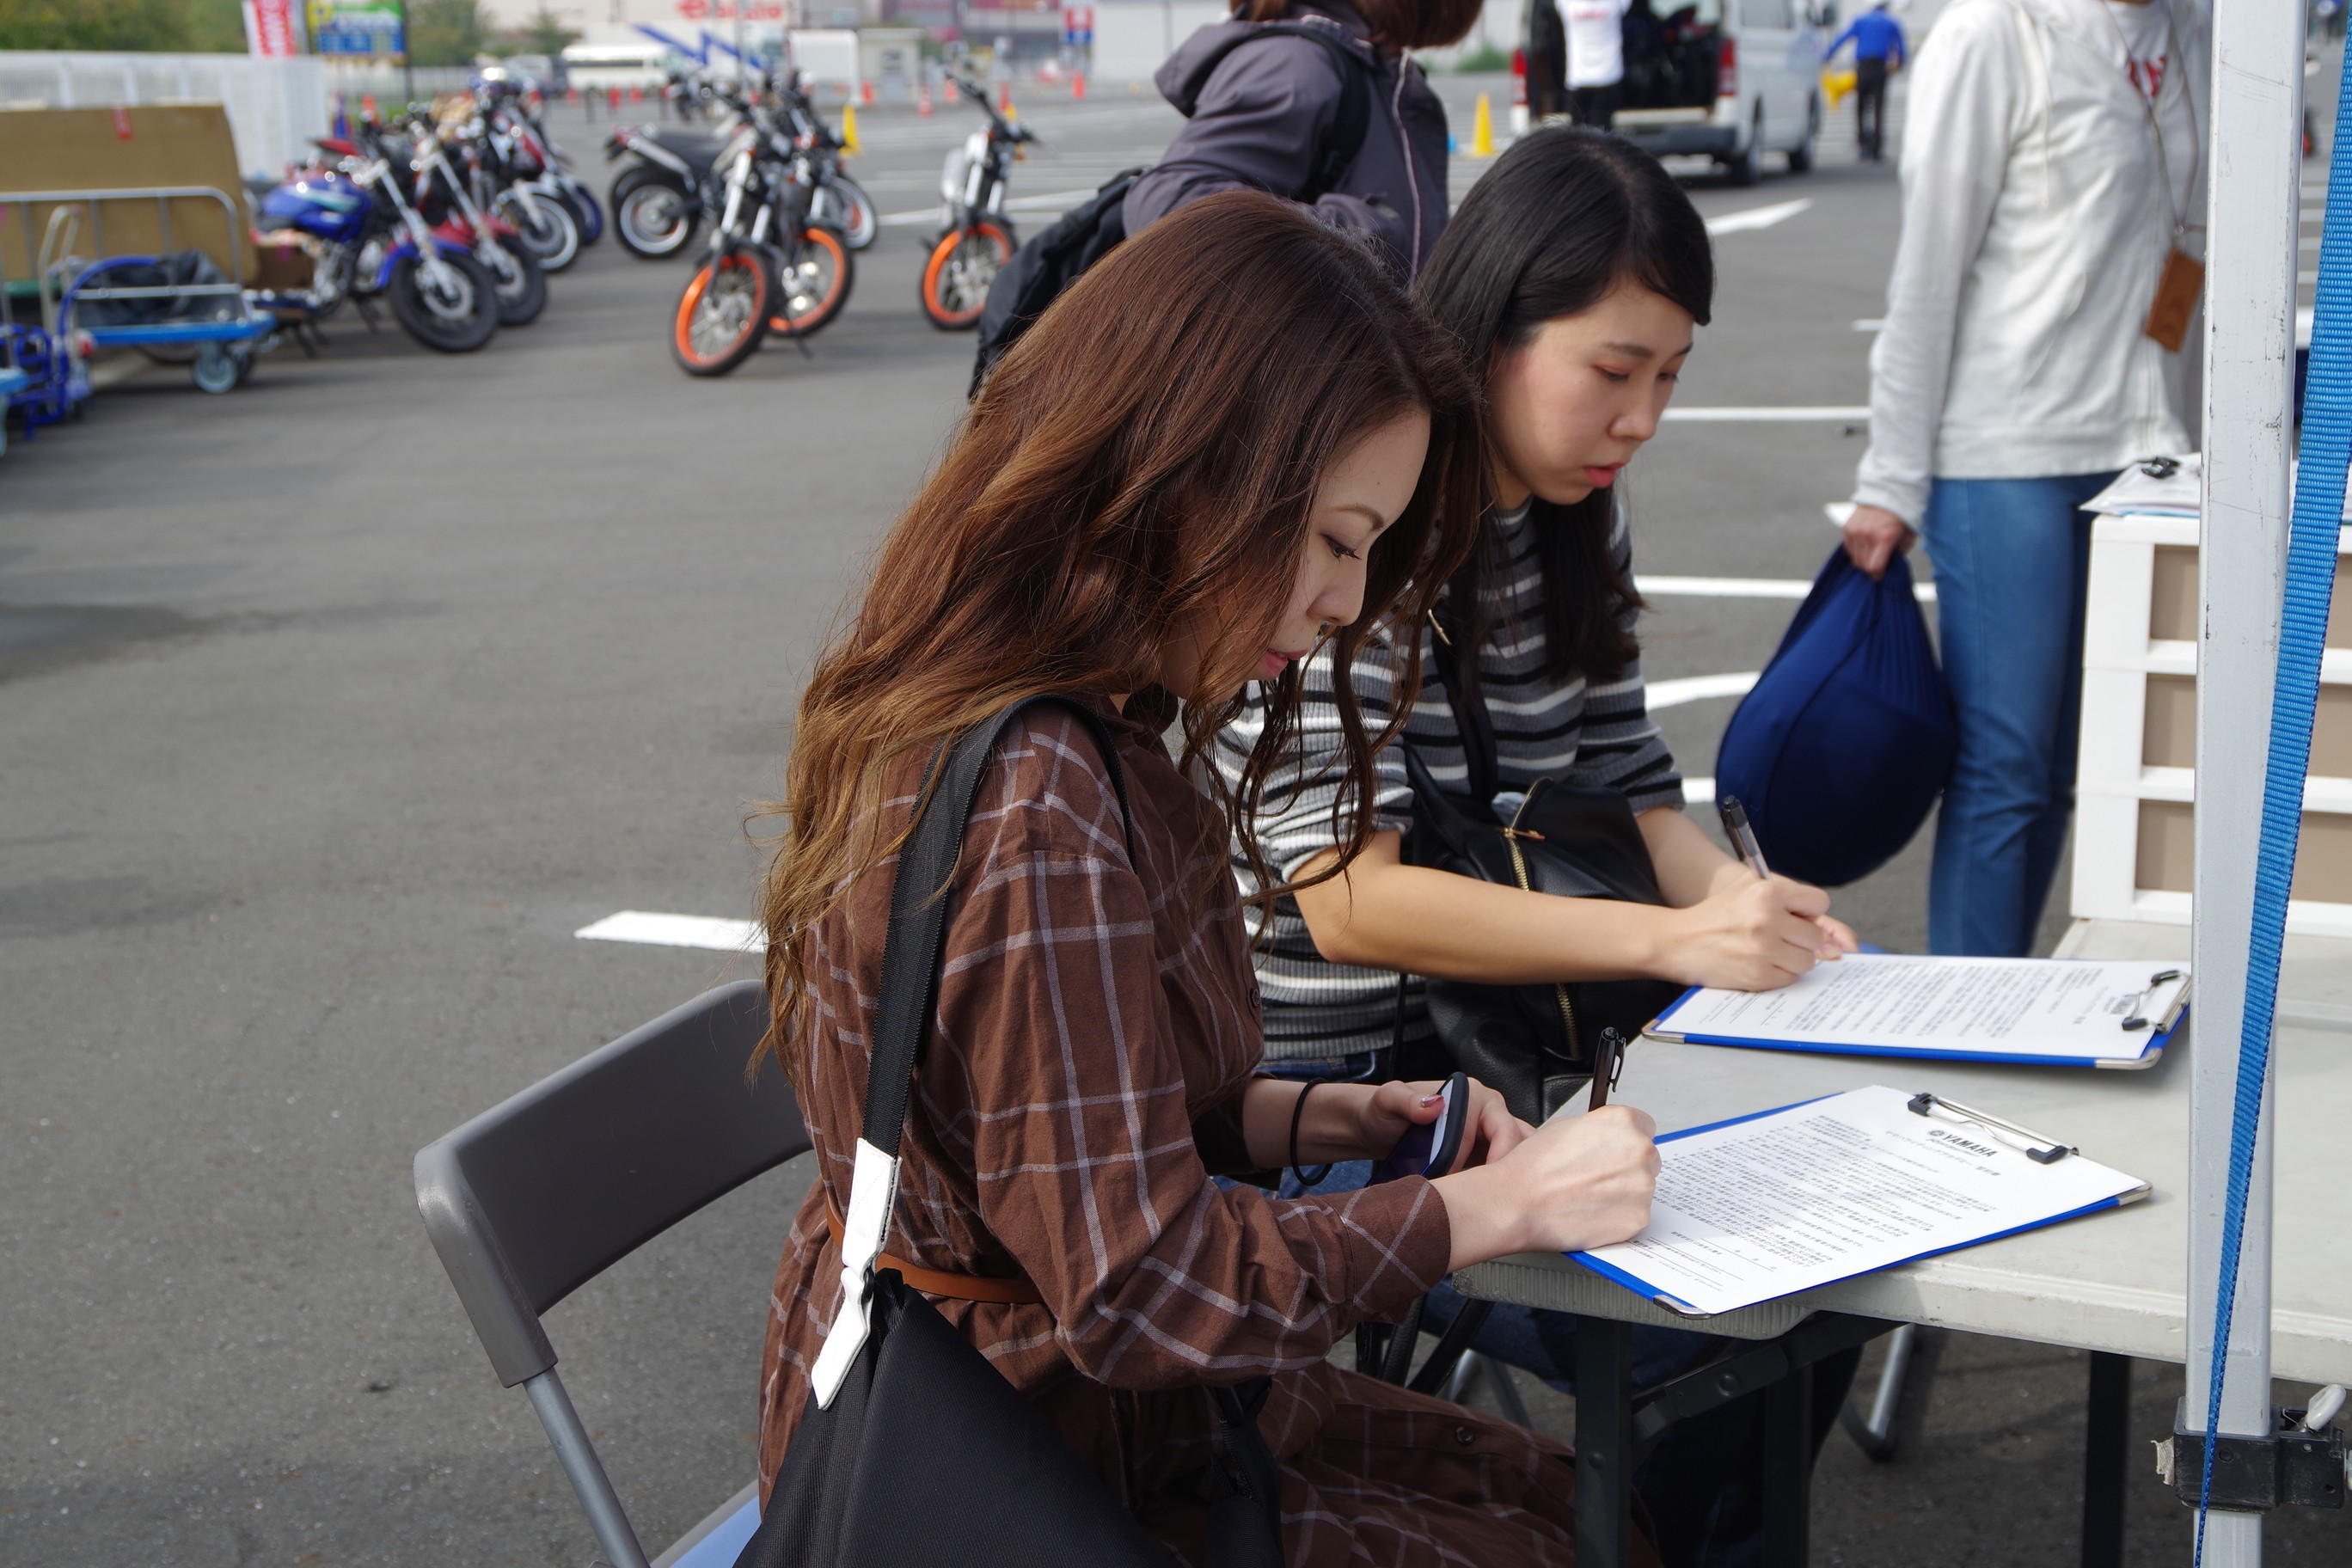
2327	451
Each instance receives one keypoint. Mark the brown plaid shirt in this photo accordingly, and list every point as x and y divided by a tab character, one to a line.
1096	1025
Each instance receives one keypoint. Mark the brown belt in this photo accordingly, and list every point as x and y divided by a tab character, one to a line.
1014	1292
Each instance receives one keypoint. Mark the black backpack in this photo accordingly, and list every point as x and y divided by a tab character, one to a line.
1083	236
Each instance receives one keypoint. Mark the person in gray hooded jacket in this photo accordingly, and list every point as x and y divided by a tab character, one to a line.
1259	116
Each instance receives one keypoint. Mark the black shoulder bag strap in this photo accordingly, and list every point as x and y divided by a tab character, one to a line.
1244	1516
1468	698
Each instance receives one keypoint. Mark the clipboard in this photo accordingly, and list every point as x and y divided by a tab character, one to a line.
2150	1043
1651	1291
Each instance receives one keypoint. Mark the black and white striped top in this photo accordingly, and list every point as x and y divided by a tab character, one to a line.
1543	728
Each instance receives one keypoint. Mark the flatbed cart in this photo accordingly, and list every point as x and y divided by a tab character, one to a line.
212	318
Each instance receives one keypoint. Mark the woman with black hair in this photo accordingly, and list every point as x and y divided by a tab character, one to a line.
1572	279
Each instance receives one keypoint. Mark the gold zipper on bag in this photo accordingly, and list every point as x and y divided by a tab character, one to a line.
1511	836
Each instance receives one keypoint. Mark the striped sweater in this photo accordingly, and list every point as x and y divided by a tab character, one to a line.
1601	735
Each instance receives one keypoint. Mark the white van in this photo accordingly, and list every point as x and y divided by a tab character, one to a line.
1728	80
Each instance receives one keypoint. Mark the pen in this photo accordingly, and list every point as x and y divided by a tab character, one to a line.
1608	1061
1742	836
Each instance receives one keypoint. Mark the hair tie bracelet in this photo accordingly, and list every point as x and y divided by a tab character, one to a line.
1297	1110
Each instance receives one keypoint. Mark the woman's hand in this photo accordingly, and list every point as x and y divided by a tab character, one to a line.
1873	535
1491	1132
1576	1182
1751	934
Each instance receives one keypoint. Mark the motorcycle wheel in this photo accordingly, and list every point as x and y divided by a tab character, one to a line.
842	202
963	264
547	228
521	283
812	288
723	314
584	208
653	214
456	322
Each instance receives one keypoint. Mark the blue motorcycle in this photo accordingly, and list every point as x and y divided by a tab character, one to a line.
371	242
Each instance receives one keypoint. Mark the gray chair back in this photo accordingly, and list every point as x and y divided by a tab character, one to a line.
531	1199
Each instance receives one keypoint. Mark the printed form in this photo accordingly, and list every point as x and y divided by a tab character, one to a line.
1836	1187
2071	1009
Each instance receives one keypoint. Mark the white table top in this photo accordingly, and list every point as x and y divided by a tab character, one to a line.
2111	1281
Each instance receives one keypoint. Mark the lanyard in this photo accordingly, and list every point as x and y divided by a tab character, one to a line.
2175	66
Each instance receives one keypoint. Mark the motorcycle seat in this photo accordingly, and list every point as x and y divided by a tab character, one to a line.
698	150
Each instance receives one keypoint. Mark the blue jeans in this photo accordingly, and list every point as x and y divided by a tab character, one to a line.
2012	562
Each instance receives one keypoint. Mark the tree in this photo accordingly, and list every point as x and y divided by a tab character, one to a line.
542	35
214	26
93	24
442	32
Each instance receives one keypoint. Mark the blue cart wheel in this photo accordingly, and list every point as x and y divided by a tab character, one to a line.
215	370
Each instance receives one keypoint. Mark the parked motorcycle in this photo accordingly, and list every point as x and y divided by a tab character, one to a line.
768	267
661	202
371	242
444	195
523	178
976	239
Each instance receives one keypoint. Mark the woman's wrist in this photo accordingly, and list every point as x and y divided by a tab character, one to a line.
1335	1125
1484	1209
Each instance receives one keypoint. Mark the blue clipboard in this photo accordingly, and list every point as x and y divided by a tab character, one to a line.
1649	1292
2152	1048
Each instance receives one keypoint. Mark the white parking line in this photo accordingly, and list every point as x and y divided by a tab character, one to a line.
1827	412
676	930
1747	218
1697	689
1018	203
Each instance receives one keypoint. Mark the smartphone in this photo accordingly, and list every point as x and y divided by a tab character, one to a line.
1431	1148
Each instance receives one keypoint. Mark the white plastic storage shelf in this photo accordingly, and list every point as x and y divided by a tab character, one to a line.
2137	776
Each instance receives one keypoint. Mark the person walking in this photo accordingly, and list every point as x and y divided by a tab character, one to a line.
1596	59
1231	440
1878	50
2036	340
1263	114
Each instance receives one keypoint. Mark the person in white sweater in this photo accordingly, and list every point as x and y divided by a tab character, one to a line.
2053	190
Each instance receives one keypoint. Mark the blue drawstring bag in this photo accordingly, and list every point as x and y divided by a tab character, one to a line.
1840	750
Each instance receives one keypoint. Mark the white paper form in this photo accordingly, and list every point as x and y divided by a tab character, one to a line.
1752	1210
2053	1008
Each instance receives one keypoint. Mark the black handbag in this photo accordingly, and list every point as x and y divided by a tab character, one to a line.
1534	1044
913	1452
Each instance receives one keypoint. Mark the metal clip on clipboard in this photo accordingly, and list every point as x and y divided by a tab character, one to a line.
2024	1140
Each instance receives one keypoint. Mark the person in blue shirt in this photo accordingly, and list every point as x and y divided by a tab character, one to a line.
1877	40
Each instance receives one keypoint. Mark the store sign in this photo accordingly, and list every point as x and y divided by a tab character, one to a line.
1077	25
269	29
731	10
356	28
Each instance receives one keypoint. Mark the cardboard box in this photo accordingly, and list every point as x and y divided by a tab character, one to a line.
114	149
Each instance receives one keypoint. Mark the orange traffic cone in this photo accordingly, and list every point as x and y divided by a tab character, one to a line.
923	100
866	92
367	106
612	98
1078	86
1004	97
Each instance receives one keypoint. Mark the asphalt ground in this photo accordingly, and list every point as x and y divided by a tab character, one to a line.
334	706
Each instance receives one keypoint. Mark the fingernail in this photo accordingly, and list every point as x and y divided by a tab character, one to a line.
1433	1099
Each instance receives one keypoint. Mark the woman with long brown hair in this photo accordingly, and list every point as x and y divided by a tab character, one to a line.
1229	438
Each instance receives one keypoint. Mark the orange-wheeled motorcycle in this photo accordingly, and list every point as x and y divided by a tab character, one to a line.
769	268
975	237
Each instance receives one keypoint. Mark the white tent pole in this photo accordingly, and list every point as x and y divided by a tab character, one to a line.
2255	172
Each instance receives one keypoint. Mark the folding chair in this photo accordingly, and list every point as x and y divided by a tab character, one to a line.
530	1201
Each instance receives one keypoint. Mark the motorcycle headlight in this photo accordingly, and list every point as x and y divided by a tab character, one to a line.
952	176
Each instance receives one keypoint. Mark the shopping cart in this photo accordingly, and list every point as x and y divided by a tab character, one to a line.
173	304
